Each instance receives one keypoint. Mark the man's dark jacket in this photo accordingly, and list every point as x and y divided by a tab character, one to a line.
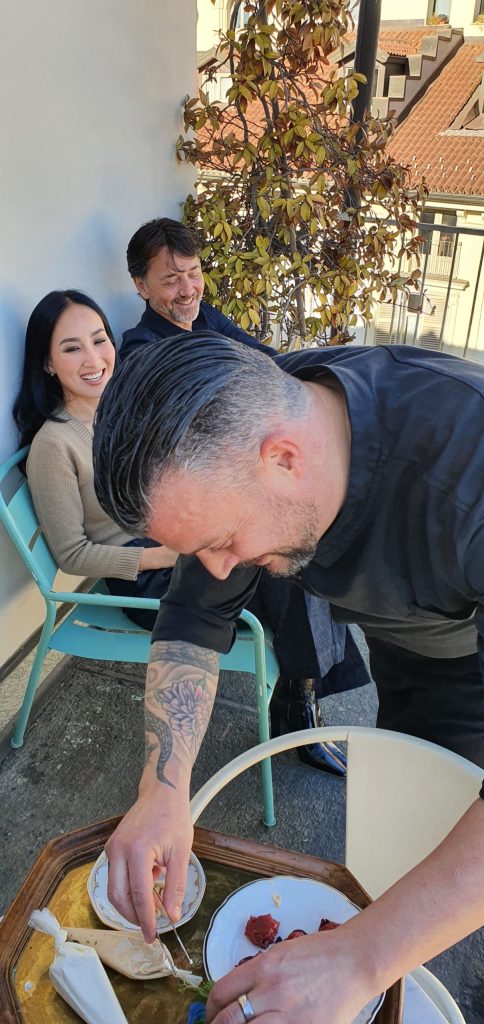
153	326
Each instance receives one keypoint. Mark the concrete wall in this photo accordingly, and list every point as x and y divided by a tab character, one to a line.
91	100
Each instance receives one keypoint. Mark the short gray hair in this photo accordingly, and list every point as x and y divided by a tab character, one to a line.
197	402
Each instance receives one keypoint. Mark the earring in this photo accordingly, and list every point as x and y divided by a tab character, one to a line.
51	373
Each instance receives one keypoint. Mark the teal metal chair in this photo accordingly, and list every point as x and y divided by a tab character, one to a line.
98	628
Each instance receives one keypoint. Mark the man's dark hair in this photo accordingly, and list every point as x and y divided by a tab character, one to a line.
155	235
197	402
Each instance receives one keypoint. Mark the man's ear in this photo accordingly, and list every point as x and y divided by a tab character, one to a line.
140	287
280	452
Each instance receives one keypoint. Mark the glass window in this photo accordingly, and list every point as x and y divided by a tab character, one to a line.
242	16
447	239
427	217
442	7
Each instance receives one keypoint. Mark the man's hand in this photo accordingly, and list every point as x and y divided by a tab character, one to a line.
309	979
157	832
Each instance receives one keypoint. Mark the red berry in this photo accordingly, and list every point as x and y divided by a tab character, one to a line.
262	930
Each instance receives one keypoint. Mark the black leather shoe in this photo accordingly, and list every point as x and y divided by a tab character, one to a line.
293	707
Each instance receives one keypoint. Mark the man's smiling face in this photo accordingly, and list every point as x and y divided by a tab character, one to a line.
173	285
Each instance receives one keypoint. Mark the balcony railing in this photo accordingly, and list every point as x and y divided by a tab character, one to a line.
447	311
439	263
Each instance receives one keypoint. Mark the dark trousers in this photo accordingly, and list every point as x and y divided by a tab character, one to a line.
438	699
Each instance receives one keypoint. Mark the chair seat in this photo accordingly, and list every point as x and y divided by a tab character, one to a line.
101	633
104	633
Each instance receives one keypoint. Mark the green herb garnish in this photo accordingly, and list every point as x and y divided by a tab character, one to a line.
202	990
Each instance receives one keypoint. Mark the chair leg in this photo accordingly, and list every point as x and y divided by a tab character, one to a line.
42	648
264	734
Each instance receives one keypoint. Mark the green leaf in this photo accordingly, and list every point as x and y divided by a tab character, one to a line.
264	207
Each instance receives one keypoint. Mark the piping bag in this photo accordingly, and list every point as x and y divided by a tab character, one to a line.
78	975
129	954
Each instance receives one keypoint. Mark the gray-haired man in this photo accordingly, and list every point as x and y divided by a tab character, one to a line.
339	467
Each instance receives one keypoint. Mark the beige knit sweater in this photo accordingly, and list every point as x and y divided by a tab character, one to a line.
82	538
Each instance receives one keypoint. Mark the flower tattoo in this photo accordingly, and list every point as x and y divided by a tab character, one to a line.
187	705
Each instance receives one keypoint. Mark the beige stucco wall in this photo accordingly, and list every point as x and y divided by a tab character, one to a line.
212	18
415	10
91	98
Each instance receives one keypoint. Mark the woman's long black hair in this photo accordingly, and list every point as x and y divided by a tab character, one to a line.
40	395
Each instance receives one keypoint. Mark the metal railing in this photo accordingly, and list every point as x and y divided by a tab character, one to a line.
440	259
447	311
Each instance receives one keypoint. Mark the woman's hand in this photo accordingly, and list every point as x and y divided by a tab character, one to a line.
157	558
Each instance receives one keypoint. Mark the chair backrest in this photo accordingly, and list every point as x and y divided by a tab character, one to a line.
403	796
18	515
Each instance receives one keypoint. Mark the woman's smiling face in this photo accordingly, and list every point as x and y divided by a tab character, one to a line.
81	355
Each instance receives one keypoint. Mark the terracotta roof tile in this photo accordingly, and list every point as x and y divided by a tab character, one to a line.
400	42
449	163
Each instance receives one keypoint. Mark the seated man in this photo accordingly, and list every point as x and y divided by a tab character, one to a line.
316	657
164	263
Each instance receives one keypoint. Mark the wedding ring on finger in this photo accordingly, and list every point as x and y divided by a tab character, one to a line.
246	1007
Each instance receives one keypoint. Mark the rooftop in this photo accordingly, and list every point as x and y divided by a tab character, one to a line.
450	160
399	42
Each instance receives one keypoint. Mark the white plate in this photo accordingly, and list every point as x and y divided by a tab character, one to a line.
97	887
295	902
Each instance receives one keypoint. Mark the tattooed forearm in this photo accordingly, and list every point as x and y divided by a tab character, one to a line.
181	682
163	743
181	653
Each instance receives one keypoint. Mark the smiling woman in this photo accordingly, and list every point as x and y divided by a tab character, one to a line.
69	358
82	357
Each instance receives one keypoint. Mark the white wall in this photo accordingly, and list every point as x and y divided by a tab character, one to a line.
212	17
415	10
91	107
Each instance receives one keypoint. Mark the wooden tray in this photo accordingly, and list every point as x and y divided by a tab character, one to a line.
58	880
